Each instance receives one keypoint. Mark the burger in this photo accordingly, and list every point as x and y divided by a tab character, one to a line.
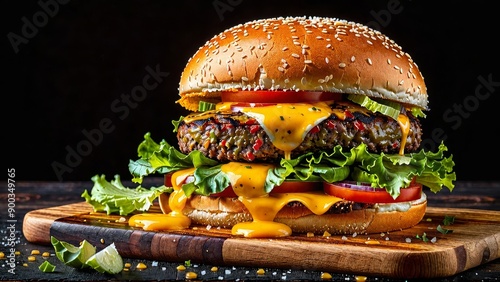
297	125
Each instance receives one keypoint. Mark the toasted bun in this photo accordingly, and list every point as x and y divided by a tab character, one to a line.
226	212
299	53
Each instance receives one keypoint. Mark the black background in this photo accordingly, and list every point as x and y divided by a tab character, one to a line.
64	79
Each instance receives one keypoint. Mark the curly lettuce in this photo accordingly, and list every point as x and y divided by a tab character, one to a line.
389	171
114	197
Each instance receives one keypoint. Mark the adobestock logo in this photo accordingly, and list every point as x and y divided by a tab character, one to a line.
383	17
460	111
121	108
31	27
221	6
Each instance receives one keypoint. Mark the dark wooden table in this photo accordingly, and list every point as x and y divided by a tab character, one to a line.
30	195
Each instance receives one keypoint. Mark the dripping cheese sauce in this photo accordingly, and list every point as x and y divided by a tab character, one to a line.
286	125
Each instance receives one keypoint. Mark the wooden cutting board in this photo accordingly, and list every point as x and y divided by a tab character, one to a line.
475	240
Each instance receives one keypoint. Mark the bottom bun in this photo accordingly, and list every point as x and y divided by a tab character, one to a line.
365	221
227	212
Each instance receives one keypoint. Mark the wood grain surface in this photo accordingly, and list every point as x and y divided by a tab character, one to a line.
475	240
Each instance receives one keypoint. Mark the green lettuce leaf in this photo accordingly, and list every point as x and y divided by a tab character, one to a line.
113	197
163	158
390	171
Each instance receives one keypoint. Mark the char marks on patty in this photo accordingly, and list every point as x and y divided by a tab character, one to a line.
237	137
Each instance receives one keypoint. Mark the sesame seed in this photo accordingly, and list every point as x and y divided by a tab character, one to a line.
244	78
295	55
353	59
308	62
389	61
327	60
369	61
342	65
284	48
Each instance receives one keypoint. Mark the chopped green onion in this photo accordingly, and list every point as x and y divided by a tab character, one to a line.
443	230
448	220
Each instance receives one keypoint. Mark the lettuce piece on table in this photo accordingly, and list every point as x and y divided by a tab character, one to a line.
114	197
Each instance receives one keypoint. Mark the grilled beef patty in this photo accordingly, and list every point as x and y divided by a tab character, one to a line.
237	137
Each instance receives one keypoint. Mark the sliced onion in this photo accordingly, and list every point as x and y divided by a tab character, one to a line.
360	186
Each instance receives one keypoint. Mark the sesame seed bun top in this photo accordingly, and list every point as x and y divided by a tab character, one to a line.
300	53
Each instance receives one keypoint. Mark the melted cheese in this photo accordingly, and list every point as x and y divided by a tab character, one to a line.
404	123
173	220
288	124
248	181
264	210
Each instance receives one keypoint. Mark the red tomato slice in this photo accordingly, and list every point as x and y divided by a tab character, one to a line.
277	96
288	186
291	186
367	194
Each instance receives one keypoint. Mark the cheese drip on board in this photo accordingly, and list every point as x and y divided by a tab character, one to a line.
175	219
